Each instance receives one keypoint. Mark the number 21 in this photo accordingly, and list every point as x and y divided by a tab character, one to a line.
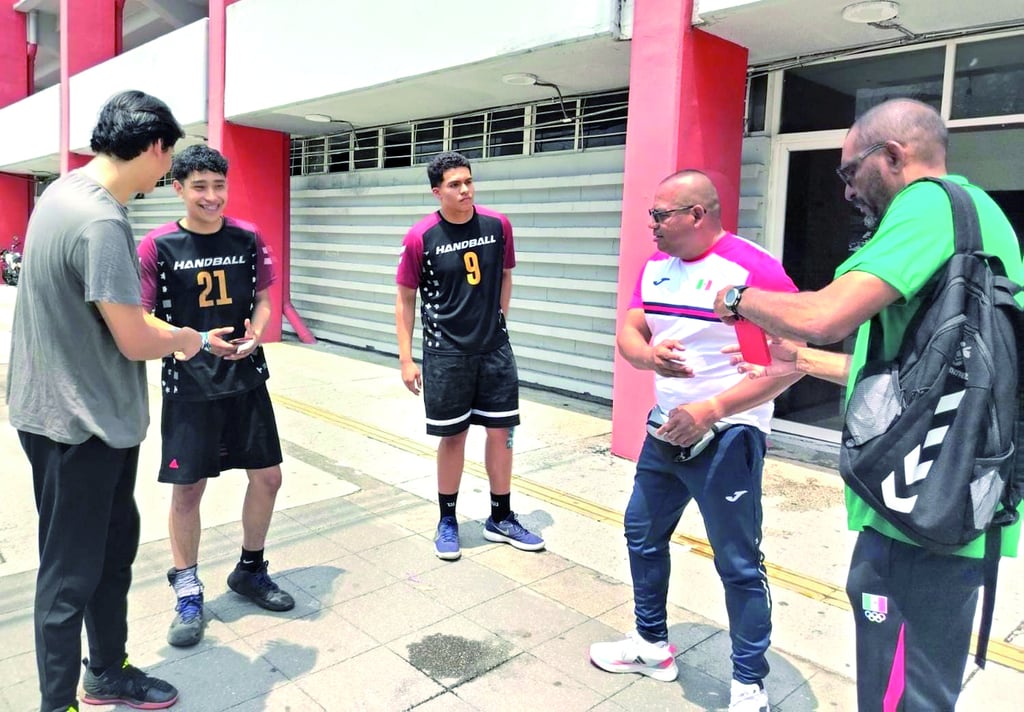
205	280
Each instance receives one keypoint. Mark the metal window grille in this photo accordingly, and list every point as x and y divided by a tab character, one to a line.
582	123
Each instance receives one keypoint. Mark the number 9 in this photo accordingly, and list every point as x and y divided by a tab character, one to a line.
472	268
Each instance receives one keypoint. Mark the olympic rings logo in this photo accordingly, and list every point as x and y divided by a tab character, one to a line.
874	616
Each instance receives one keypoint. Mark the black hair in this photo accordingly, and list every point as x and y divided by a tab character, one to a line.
130	122
445	162
197	158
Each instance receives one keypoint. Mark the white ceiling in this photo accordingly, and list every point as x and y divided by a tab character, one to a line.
578	68
776	30
772	30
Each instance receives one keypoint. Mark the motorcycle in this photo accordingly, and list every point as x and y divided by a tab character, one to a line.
10	263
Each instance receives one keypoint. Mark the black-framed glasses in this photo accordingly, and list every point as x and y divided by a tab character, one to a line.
848	170
660	216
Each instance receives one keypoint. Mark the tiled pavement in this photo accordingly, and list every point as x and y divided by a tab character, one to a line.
382	624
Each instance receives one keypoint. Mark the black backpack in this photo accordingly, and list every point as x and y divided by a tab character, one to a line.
930	438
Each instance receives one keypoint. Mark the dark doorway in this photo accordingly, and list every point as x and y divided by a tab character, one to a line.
821	229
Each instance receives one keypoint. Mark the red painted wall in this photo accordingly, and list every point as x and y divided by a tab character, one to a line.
686	95
15	71
90	33
259	191
259	180
14	67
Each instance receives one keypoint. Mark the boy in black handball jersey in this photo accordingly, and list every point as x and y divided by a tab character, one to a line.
460	259
202	270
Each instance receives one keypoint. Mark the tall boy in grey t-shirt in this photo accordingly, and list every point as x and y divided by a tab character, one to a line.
76	391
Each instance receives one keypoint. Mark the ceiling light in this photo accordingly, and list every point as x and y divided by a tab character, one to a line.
525	79
520	79
866	13
319	118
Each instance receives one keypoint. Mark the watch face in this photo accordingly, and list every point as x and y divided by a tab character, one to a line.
731	297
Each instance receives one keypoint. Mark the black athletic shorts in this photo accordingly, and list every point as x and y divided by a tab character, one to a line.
476	389
204	438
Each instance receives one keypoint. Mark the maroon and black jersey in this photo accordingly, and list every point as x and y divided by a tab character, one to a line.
206	281
458	269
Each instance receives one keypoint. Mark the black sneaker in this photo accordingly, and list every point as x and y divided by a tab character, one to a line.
187	627
127	685
257	587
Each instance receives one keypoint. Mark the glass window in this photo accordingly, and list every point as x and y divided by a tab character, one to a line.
604	120
397	146
757	103
506	135
468	135
338	150
552	130
988	79
367	144
832	95
295	157
314	155
429	140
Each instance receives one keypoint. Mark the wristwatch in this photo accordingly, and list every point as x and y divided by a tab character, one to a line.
732	299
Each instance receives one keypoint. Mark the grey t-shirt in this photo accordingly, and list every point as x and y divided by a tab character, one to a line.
67	380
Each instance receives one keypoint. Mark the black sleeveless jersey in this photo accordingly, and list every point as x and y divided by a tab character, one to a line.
458	269
205	282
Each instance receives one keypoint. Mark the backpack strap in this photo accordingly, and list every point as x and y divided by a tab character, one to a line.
966	227
990	573
966	240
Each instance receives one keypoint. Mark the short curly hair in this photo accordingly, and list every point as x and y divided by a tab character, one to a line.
445	162
196	159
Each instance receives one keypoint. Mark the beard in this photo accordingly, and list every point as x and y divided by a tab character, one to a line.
858	242
873	200
871	222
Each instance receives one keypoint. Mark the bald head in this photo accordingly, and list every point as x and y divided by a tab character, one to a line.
915	125
692	187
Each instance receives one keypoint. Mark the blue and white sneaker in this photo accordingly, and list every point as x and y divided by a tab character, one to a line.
446	541
510	531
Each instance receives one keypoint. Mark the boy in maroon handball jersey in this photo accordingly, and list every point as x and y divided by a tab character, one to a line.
460	260
211	269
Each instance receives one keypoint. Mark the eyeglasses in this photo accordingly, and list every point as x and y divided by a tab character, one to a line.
848	171
660	216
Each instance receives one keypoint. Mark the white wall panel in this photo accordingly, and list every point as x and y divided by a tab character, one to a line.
30	127
756	160
171	67
565	209
154	209
280	53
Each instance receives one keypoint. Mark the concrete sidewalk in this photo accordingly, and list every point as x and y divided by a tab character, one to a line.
382	624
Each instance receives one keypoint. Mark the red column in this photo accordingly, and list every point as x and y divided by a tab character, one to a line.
15	74
686	94
90	33
260	184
